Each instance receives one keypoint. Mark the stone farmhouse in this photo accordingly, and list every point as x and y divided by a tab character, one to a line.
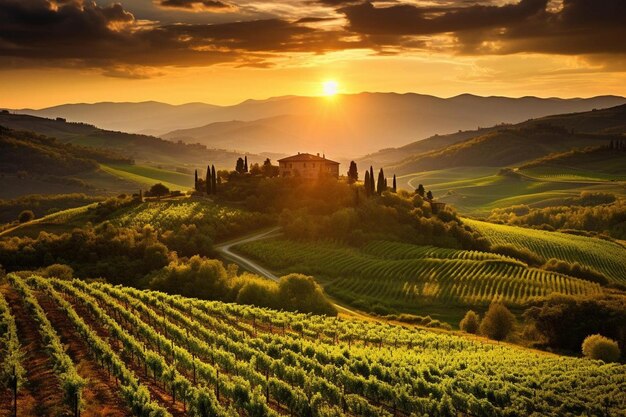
309	166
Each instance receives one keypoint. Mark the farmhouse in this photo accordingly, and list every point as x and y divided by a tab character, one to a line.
306	165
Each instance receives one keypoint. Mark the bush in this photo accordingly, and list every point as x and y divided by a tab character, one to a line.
531	258
575	270
26	216
159	190
498	322
599	347
60	271
470	323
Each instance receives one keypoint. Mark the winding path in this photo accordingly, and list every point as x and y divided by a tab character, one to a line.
225	250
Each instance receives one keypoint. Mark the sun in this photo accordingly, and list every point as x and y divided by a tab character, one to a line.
330	87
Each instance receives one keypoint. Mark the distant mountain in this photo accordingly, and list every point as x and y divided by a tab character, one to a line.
502	146
344	125
141	148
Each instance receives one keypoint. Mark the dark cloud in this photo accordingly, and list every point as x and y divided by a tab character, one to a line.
206	5
579	27
80	33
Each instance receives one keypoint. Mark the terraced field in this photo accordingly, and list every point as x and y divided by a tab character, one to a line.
406	276
146	176
606	257
158	355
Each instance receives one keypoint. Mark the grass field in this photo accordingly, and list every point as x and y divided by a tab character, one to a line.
226	359
147	176
606	257
478	190
413	278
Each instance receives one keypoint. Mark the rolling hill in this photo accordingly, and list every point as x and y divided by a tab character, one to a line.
337	125
226	359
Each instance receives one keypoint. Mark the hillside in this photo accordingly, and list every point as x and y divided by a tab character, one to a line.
504	147
366	121
216	357
141	148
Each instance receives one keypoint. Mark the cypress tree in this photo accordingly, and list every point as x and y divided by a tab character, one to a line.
353	173
394	183
420	190
366	183
429	195
245	164
213	180
240	166
195	182
372	185
381	182
207	180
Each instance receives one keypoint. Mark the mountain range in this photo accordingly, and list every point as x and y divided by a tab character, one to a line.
341	126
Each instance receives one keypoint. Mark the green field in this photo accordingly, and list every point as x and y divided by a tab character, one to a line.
478	190
147	176
413	278
228	359
606	257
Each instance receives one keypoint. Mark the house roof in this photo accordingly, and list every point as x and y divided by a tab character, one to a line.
307	157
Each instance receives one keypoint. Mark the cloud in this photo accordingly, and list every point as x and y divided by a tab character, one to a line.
199	5
576	27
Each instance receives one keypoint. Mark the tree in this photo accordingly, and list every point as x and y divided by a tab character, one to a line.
213	180
195	182
380	185
245	164
353	173
366	183
429	195
159	190
26	216
372	185
240	166
470	323
207	182
394	183
498	322
420	190
602	348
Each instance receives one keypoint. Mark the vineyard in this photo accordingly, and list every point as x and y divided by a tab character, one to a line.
163	355
405	275
603	256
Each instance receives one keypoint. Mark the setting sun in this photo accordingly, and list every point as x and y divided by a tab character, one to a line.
330	87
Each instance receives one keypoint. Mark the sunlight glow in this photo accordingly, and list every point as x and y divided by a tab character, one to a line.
330	87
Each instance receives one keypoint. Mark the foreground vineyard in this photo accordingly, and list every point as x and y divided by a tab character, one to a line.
606	257
403	275
227	359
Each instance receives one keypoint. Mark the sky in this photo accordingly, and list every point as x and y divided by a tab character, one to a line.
226	51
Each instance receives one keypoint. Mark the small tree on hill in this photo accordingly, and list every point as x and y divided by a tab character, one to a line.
602	348
195	182
159	190
429	195
498	322
470	323
420	190
380	185
213	180
26	216
366	183
372	184
240	166
245	164
353	173
207	182
394	187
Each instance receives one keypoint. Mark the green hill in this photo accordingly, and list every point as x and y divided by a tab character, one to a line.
229	359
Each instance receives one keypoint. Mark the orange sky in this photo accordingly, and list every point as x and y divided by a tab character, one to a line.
149	50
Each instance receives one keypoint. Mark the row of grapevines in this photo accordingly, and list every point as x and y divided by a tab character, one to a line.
134	393
200	400
71	382
12	372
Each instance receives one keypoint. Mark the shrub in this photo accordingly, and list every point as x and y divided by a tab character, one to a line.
470	323
26	216
531	258
498	322
159	190
575	270
60	271
599	347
